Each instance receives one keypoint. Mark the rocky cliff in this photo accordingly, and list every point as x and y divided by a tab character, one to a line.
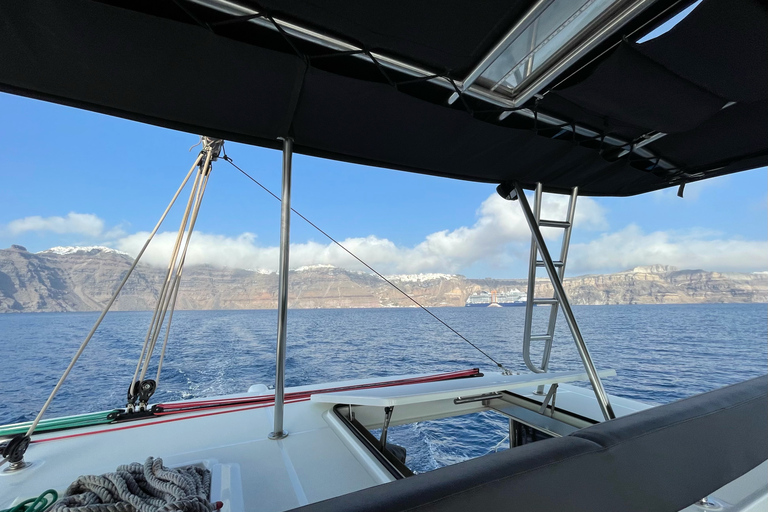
84	278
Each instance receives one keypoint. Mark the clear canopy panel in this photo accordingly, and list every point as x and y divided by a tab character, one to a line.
561	22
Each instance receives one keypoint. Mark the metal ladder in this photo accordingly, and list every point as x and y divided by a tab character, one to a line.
553	302
513	191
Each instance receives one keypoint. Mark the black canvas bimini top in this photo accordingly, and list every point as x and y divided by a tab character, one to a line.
703	85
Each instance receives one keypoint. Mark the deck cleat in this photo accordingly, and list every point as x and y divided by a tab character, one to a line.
14	451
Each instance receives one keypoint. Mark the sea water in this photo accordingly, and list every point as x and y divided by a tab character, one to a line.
661	353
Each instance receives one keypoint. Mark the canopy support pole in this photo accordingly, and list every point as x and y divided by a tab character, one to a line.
581	346
282	302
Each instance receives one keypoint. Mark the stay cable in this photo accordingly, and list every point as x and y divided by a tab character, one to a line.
505	370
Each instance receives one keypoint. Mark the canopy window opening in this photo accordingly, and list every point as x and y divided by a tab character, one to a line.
556	26
550	37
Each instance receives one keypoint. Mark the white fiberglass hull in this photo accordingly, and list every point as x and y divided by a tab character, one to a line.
321	458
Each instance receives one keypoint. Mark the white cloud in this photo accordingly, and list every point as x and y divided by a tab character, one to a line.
631	247
204	248
500	234
499	238
77	223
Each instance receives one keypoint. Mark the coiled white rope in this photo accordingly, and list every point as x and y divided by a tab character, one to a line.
135	487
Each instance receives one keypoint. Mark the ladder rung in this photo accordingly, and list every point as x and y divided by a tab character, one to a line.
554	223
550	302
557	264
541	337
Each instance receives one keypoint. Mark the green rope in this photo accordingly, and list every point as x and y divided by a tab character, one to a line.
81	420
39	504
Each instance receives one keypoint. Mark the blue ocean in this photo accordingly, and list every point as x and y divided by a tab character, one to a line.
660	352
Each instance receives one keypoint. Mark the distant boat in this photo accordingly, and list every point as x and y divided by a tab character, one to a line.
511	298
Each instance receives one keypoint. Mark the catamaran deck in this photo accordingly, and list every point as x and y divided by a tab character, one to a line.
318	460
321	458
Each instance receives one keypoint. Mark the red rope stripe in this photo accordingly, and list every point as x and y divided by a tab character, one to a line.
158	422
166	408
258	402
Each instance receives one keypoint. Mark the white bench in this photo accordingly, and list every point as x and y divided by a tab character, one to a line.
408	394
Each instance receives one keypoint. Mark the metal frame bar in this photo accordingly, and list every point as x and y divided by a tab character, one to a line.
528	325
586	359
646	139
498	100
385	427
550	396
510	37
606	25
533	48
282	303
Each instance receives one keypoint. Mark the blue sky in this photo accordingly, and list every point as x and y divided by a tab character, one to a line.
71	177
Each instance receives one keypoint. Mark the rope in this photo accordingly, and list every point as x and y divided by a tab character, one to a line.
81	420
135	487
167	297
460	94
156	317
109	304
175	265
237	19
39	504
505	370
380	68
167	331
194	18
177	282
287	38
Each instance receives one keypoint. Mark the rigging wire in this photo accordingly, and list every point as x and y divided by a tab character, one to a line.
457	333
207	171
44	408
167	300
109	304
162	302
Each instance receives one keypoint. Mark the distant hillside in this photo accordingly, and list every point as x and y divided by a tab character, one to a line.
84	278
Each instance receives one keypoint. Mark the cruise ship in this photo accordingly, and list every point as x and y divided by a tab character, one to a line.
513	297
